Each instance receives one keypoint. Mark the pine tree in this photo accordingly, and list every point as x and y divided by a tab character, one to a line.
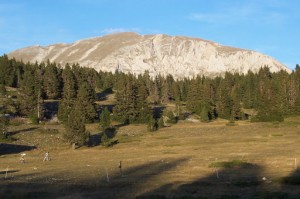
28	97
86	102
7	71
51	81
2	90
152	125
131	106
68	94
105	120
204	114
75	132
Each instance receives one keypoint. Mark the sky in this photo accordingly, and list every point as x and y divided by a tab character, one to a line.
271	27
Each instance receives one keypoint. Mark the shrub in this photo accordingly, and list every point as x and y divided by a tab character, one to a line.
161	123
264	116
34	119
170	117
152	125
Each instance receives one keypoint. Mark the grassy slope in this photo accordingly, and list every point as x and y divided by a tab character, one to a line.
171	162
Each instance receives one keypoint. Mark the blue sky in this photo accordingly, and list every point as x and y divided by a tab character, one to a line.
268	26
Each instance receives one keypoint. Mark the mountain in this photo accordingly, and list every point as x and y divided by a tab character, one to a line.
159	54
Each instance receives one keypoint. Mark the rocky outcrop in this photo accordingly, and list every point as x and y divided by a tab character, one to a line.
159	54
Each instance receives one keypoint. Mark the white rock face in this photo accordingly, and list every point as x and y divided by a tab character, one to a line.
159	54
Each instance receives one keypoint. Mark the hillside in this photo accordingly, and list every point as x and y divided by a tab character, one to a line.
159	54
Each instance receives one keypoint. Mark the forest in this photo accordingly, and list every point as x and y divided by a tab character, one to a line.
259	97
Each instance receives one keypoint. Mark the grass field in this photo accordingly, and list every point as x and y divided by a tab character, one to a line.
186	160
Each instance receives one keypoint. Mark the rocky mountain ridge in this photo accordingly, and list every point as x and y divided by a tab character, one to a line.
159	54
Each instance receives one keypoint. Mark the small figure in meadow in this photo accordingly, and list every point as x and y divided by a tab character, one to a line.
22	158
46	158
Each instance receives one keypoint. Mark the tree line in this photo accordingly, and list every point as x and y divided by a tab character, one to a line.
261	96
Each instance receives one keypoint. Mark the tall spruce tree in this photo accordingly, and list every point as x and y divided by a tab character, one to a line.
131	104
51	81
105	119
68	94
75	132
28	97
86	97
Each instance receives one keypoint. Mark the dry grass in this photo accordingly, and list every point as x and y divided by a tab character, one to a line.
172	162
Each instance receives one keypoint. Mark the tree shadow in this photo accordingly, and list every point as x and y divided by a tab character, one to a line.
14	148
96	139
9	171
246	182
126	184
22	130
241	182
50	109
102	96
222	183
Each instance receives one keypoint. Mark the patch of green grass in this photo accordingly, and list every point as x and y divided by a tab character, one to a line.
231	123
9	139
230	164
127	139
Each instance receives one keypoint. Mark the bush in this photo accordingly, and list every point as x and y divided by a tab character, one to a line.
107	142
161	123
171	117
264	116
152	125
34	119
204	115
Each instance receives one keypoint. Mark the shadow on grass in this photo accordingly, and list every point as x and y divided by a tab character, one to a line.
14	148
245	182
22	130
96	139
102	96
140	182
9	171
127	184
293	179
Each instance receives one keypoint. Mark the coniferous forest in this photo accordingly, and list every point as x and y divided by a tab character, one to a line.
261	96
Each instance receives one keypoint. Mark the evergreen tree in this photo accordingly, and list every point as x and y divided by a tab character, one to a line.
68	94
2	90
170	117
7	71
160	122
105	120
224	99
86	102
204	114
75	132
51	81
152	125
131	105
28	97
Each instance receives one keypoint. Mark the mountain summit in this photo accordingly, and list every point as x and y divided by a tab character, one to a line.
159	54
